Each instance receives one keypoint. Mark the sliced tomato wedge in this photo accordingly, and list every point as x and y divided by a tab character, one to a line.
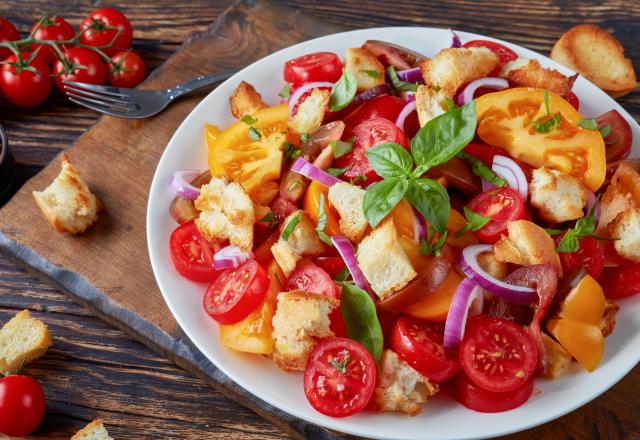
504	54
236	292
481	400
501	205
590	256
386	107
340	377
192	254
618	143
313	67
310	278
621	282
498	355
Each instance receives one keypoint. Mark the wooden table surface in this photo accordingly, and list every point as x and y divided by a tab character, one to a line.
94	370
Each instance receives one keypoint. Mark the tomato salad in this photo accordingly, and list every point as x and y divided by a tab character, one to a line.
391	228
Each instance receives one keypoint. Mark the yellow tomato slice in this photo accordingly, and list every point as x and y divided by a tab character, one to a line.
584	341
435	306
505	120
457	222
311	204
585	303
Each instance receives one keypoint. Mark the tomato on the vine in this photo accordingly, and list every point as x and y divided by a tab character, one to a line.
26	86
8	32
22	405
128	69
56	29
100	28
93	71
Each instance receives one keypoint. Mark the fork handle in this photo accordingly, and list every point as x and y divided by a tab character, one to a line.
198	83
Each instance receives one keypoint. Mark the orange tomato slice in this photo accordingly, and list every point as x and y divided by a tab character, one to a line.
435	307
311	204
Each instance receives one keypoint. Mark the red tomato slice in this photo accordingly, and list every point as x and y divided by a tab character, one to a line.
387	107
319	66
572	99
236	293
501	205
340	377
481	400
310	278
621	282
281	207
192	254
611	257
332	265
504	54
368	134
590	256
618	143
484	152
498	355
420	345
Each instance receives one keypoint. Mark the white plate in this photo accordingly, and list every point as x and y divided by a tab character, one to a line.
442	417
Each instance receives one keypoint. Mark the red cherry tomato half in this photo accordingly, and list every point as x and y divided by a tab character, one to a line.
332	265
481	400
504	54
52	28
386	107
340	377
572	99
484	152
102	26
498	355
590	256
236	293
191	254
618	142
611	257
25	89
310	278
22	405
129	70
93	72
420	345
621	282
501	206
368	134
313	67
8	32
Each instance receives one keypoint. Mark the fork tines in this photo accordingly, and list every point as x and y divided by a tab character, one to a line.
105	99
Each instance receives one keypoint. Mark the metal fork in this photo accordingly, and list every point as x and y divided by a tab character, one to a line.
134	103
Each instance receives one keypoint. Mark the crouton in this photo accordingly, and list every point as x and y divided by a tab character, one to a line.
93	431
300	318
22	340
347	200
527	244
529	73
608	321
559	197
308	118
495	268
303	241
383	261
67	202
452	68
625	227
365	67
400	387
558	358
245	100
598	56
429	104
617	197
226	213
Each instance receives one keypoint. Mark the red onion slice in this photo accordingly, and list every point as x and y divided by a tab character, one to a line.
409	108
466	96
230	257
455	40
419	226
466	295
373	92
409	96
293	101
487	186
509	170
303	167
348	254
413	75
471	268
180	184
593	205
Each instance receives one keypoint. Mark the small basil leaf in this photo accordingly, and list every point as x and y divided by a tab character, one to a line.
569	243
585	226
337	171
389	160
247	119
254	134
343	275
340	148
322	222
371	73
606	131
476	221
285	92
552	231
288	230
397	83
381	198
343	92
481	170
588	124
432	200
546	102
361	320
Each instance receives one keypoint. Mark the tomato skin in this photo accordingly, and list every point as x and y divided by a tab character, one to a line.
22	405
25	89
53	28
236	292
310	278
481	400
502	205
621	282
484	152
191	254
358	380
572	99
95	72
419	344
387	107
96	35
313	67
590	255
131	71
618	143
504	54
8	32
332	265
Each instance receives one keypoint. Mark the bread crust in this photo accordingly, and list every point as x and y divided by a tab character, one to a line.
245	100
532	74
10	336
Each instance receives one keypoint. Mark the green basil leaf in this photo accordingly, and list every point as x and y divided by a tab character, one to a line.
340	148
286	91
476	221
304	137
254	134
444	136
552	231
290	151
247	119
337	171
606	131
343	92
322	222
343	275
357	179
585	226
397	83
381	198
588	124
449	103
371	73
546	124
569	243
268	217
546	102
361	320
288	230
389	160
432	200
481	170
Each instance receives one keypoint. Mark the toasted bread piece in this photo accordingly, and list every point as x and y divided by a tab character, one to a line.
302	242
451	68
245	100
529	73
495	268
311	111
558	358
429	104
93	431
300	318
347	200
527	244
67	202
365	67
625	227
22	340
383	261
226	213
598	56
608	321
559	197
400	387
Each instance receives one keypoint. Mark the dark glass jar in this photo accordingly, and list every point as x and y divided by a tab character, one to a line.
7	167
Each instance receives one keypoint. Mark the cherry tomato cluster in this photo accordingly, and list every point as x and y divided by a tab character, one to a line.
99	53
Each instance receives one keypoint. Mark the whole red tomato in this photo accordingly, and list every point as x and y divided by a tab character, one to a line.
129	69
52	28
22	405
100	28
80	65
8	32
26	86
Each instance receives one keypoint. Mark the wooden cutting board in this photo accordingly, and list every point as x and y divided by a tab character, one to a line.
108	268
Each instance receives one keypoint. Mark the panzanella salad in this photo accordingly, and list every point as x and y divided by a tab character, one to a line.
398	222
